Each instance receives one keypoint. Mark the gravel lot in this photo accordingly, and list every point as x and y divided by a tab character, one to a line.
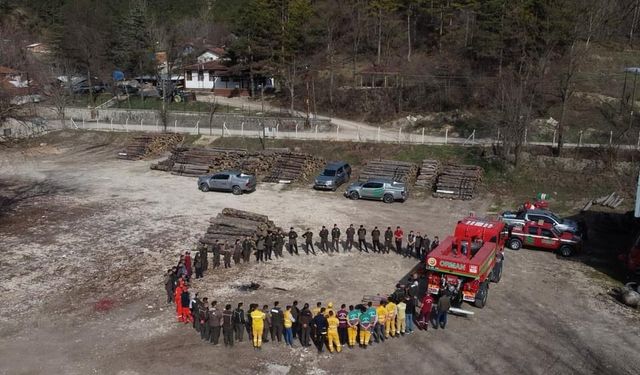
80	227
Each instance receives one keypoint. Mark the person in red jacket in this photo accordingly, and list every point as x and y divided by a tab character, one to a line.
187	263
184	302
425	312
398	234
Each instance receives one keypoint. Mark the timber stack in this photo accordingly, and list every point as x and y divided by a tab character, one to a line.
196	161
458	181
147	145
290	167
231	224
428	174
399	171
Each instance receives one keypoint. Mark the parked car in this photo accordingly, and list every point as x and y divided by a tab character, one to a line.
335	174
521	217
385	190
233	181
544	236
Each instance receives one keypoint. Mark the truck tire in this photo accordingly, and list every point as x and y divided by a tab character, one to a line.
388	198
236	190
481	296
566	251
354	195
496	273
204	188
515	244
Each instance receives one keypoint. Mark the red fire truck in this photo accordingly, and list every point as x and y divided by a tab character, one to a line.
465	263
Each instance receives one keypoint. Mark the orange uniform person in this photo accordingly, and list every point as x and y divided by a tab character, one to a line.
332	334
185	300
257	326
178	298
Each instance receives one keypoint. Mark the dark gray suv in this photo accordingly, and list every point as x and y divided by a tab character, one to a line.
335	174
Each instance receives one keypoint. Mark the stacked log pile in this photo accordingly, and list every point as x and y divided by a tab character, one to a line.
232	224
291	167
428	173
146	145
196	161
275	164
458	181
612	200
399	171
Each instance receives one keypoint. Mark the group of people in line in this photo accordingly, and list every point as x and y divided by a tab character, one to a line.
272	244
363	324
358	324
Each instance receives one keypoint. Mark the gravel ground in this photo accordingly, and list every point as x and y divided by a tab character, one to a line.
80	228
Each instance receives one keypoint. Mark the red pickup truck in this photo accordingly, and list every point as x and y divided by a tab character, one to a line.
544	236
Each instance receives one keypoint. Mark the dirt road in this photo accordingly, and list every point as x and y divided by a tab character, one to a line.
85	238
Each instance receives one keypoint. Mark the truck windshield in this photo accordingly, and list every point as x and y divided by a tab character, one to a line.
329	172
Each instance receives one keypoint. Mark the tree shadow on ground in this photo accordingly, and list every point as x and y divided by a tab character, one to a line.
13	194
609	235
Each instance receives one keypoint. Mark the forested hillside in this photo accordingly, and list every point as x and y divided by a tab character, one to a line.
490	65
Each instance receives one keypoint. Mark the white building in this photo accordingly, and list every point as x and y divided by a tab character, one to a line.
217	78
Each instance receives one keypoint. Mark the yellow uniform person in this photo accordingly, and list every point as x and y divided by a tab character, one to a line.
390	326
329	310
380	327
257	326
400	319
332	333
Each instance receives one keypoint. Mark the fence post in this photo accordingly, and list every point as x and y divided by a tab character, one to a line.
399	134
157	129
525	135
111	124
141	120
446	136
97	126
610	137
175	126
580	139
554	138
337	131
638	146
473	137
498	138
126	125
422	141
83	122
316	130
296	130
378	134
277	130
242	129
198	127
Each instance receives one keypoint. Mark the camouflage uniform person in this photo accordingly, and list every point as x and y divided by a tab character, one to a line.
237	252
202	249
324	239
216	255
351	232
293	241
388	240
335	238
247	249
226	252
279	242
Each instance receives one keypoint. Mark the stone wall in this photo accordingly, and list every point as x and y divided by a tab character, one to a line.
190	119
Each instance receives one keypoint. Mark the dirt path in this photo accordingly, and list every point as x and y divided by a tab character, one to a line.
90	228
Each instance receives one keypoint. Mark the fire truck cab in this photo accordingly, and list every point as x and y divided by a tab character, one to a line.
464	264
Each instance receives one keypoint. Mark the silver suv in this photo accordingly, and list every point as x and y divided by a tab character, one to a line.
233	181
382	189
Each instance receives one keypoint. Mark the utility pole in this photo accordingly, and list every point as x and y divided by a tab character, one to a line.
307	100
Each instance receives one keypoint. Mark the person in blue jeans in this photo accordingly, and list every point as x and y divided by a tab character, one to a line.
288	326
411	309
